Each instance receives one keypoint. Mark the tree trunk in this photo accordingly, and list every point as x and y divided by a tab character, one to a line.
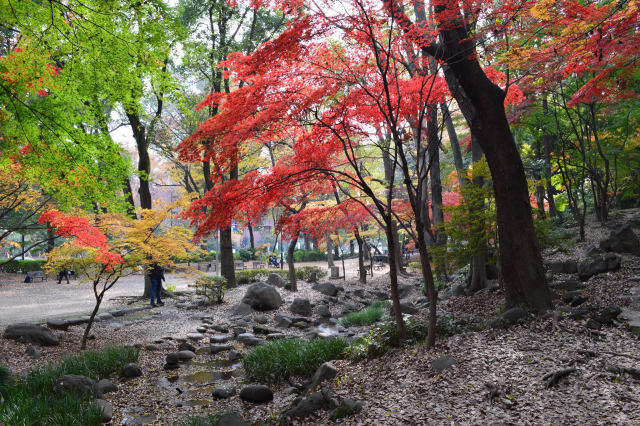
393	276
252	241
436	191
128	195
292	269
85	335
51	239
227	269
307	242
330	251
362	271
476	207
481	102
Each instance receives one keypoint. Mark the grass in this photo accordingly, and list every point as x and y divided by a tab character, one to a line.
366	316
281	359
29	399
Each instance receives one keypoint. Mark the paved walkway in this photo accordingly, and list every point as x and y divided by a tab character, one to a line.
33	302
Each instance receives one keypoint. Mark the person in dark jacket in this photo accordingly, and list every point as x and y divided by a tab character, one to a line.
156	275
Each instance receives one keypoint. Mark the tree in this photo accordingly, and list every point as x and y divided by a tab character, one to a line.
116	247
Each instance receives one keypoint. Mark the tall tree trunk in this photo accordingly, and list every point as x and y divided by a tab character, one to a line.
482	104
436	191
330	251
292	269
362	271
307	242
252	241
128	196
393	277
476	207
51	239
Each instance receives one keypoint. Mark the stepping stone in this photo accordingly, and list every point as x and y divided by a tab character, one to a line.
195	336
219	338
223	392
257	394
58	324
105	316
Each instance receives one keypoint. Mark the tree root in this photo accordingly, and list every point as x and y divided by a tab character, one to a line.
552	379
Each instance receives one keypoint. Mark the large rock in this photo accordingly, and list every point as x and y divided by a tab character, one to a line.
346	408
598	264
263	297
509	318
405	290
241	310
231	419
257	394
275	280
564	267
105	409
32	334
405	308
326	371
224	391
301	306
323	311
131	370
216	348
186	355
73	383
308	406
58	324
282	321
106	386
622	240
326	289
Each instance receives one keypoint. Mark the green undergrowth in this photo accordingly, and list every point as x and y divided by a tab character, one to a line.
28	400
280	359
369	315
254	275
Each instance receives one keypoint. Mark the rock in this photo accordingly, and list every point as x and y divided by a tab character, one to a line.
231	419
508	318
262	296
201	329
220	328
308	406
275	280
168	366
105	409
131	370
405	308
458	290
577	301
608	314
58	324
238	330
570	295
301	306
173	358
260	318
598	264
259	329
33	352
214	349
105	316
325	288
622	240
323	311
224	391
219	338
257	394
275	336
348	308
249	339
566	285
151	347
234	355
348	407
106	386
492	285
578	313
593	324
591	251
326	371
282	321
185	346
405	290
79	320
31	333
186	355
443	363
241	310
78	385
195	336
563	267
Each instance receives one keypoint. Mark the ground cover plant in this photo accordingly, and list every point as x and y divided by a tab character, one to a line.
369	315
281	359
28	400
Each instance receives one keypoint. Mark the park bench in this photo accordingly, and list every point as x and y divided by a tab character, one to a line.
239	265
37	275
259	265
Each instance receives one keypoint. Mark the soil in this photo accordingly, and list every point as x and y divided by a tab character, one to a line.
499	376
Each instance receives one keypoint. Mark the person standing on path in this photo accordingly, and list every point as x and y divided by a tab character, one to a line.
156	275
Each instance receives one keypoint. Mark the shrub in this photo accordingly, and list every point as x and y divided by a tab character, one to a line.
29	399
15	266
211	286
309	255
415	267
383	337
304	272
281	359
366	316
254	275
5	378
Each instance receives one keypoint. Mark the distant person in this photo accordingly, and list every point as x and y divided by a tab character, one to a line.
156	275
63	274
